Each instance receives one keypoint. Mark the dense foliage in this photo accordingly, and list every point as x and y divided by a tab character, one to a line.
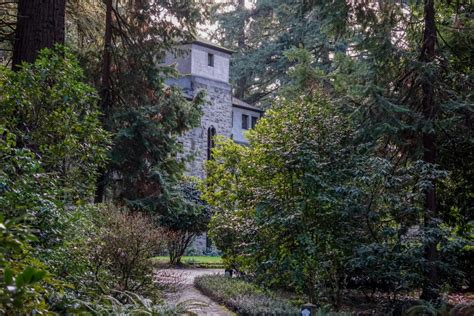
49	163
315	190
184	218
309	206
22	276
359	164
261	31
55	115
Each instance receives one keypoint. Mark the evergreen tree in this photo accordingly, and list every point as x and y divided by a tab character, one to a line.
262	31
402	73
404	94
144	114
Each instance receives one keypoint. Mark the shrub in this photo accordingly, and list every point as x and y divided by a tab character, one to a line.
243	297
186	216
23	198
121	251
54	113
21	286
290	207
106	260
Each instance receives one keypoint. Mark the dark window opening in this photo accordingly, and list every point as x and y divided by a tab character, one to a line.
254	121
211	133
210	60
245	121
208	243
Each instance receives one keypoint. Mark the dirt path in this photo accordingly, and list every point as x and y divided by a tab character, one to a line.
200	304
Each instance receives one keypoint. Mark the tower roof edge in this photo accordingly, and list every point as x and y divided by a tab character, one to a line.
207	43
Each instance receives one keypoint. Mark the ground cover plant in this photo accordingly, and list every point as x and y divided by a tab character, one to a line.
243	297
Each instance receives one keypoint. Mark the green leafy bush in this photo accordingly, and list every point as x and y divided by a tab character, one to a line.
51	145
22	286
308	207
54	113
185	216
23	278
243	297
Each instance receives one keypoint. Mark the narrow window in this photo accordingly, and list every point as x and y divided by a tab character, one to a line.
210	60
211	133
245	121
208	243
254	121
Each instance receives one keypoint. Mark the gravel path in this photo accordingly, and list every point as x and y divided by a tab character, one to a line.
200	304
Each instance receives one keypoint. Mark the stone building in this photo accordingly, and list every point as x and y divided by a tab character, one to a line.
205	66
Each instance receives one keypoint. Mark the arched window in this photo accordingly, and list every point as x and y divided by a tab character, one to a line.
211	132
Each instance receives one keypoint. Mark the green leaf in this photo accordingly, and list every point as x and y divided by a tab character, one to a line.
20	281
26	276
38	276
8	275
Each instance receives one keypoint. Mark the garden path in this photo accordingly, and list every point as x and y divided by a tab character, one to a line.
199	304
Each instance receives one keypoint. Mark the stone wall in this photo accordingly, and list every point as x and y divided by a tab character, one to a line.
217	112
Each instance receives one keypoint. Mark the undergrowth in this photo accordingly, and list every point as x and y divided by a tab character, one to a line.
243	297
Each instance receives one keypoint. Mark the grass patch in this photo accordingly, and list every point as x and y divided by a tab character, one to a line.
194	261
243	297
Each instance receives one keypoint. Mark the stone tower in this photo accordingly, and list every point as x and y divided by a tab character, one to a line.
206	67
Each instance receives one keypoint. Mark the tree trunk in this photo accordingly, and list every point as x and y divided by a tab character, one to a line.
428	53
241	82
178	242
40	24
107	59
105	92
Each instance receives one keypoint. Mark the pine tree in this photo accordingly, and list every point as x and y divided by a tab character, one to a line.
428	54
144	114
105	88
